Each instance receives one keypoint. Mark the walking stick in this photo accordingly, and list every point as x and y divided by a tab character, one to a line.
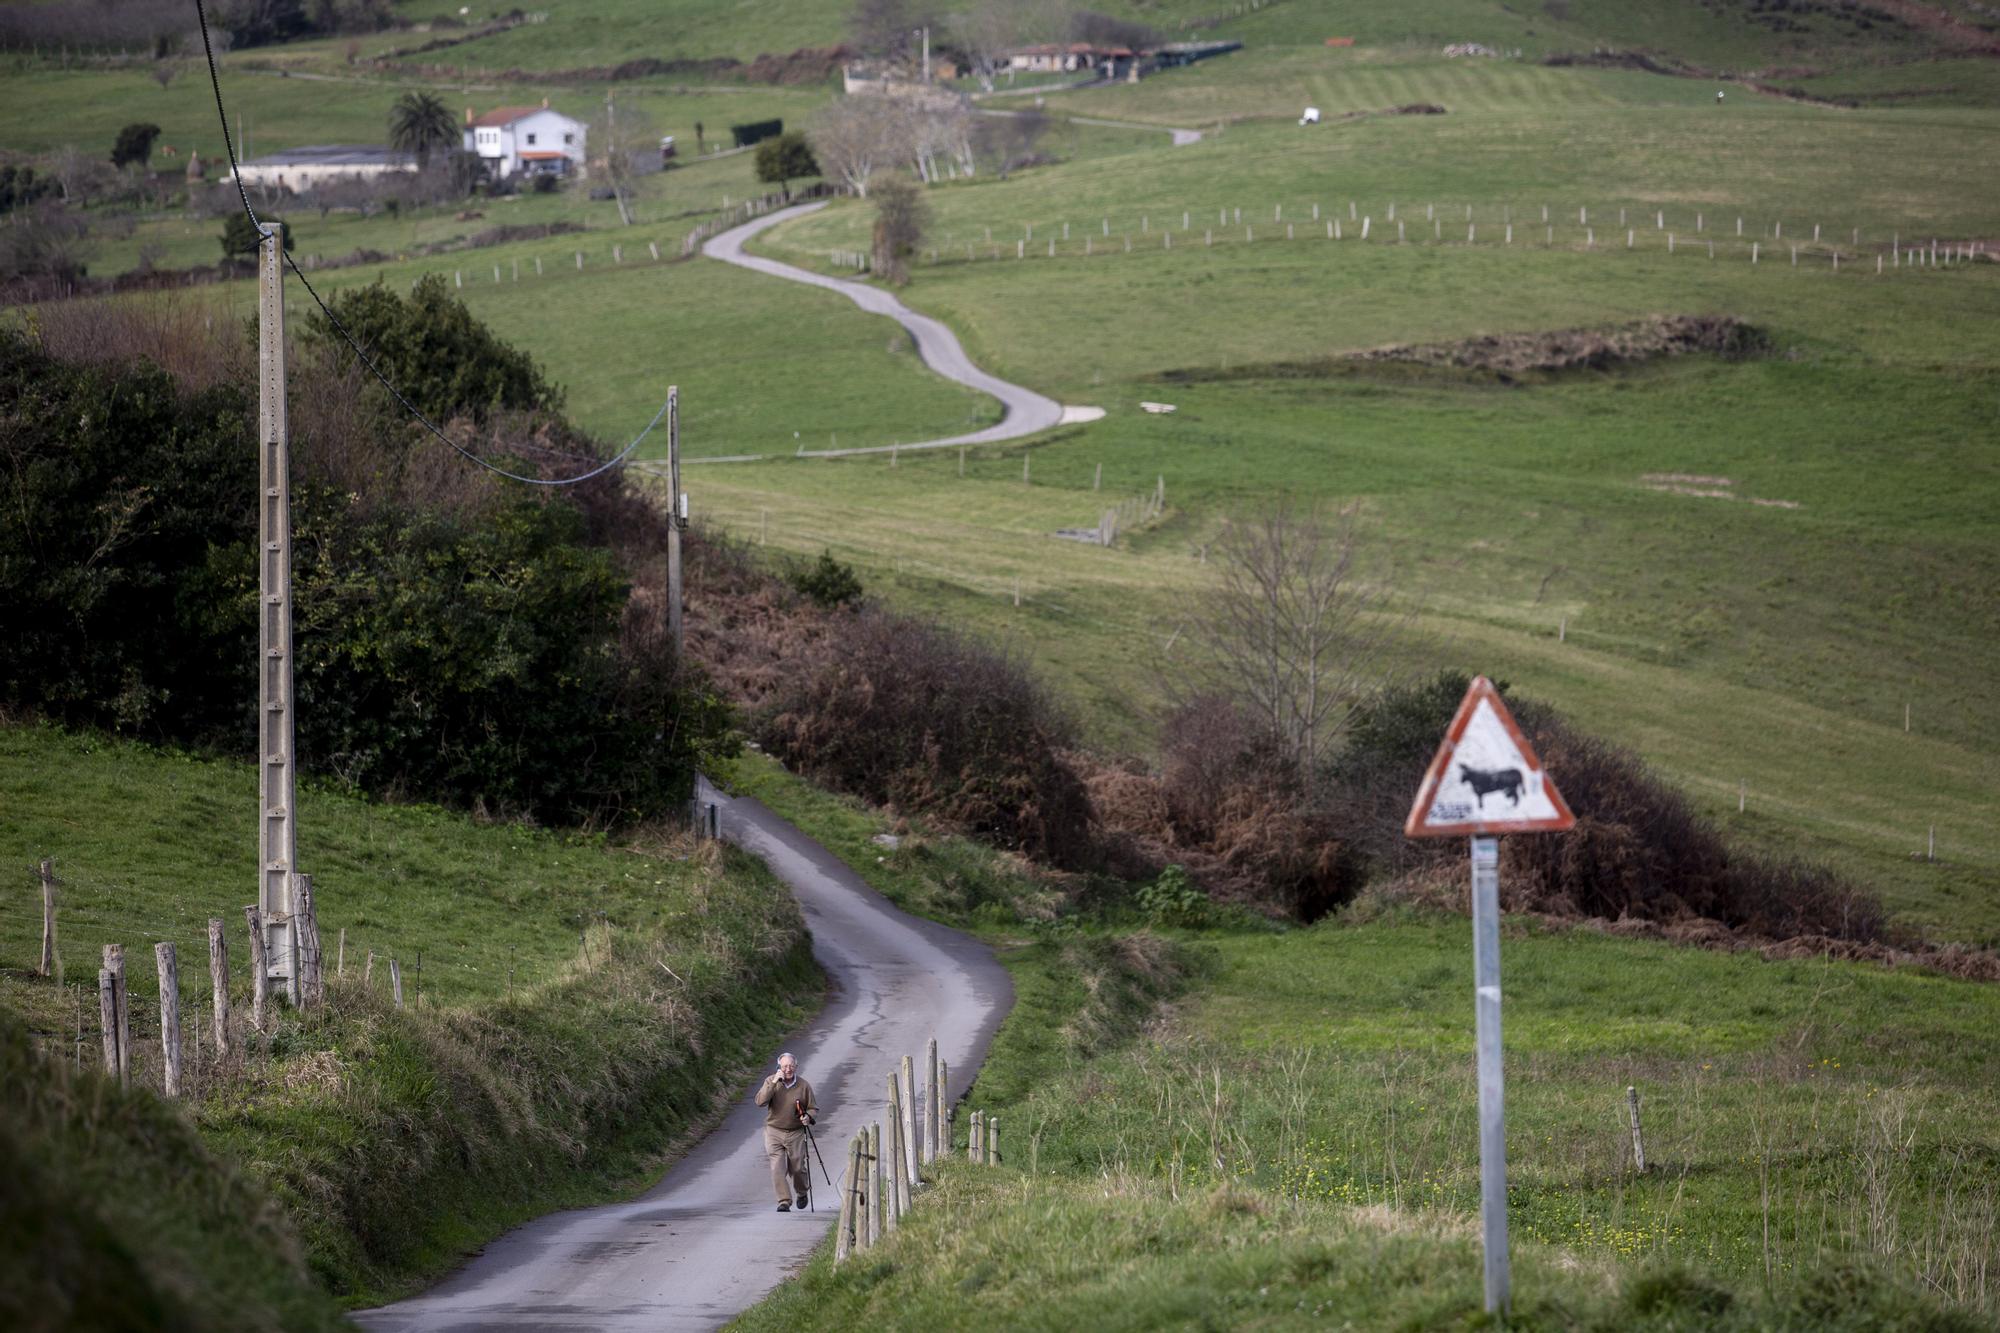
812	1201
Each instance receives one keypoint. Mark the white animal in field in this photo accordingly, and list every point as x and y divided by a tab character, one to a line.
1718	94
1311	117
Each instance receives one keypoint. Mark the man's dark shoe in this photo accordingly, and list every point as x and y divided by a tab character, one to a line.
784	1207
803	1201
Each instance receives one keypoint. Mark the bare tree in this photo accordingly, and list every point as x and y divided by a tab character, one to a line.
933	130
902	215
1291	631
1007	139
631	145
853	137
984	33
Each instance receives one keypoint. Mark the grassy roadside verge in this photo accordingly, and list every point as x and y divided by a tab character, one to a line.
598	1003
1817	1143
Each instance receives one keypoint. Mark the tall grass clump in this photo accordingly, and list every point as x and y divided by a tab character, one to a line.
116	1214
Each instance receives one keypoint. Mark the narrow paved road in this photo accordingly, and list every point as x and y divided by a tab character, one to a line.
704	1244
1026	411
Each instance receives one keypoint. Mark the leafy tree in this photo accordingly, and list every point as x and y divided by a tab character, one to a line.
784	159
420	124
477	654
134	144
443	360
240	236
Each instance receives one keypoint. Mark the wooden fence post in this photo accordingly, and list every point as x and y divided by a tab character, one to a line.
993	1141
396	981
927	1148
874	1197
885	1181
170	1016
843	1236
944	1111
49	965
340	957
114	962
107	1018
910	1116
1638	1145
218	978
260	968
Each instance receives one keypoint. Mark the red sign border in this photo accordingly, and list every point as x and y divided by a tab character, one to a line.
1414	826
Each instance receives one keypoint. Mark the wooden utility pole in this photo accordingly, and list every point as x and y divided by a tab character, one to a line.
277	842
676	518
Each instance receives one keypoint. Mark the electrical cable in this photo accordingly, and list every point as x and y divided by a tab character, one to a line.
332	319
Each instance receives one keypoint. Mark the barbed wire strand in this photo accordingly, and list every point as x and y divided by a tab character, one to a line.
236	172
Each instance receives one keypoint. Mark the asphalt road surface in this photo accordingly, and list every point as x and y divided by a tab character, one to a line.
1026	411
704	1244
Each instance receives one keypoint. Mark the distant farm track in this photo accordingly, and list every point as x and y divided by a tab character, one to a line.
1026	411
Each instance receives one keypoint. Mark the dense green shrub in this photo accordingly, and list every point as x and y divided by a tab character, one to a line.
828	582
480	647
117	488
444	361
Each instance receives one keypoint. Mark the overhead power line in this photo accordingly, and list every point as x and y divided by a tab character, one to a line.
222	113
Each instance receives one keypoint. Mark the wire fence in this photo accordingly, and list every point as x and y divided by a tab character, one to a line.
1578	229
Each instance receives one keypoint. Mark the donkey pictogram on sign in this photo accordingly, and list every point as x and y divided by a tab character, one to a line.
1485	779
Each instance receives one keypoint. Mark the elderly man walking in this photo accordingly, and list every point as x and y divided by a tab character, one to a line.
789	1107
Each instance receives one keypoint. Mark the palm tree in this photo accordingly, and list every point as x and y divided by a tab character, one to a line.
419	123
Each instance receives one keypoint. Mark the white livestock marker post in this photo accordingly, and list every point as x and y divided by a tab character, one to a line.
1484	756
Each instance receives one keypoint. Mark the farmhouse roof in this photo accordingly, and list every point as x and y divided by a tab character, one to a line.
334	155
500	117
1069	49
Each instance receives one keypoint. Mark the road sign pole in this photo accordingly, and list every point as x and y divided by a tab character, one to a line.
1492	1092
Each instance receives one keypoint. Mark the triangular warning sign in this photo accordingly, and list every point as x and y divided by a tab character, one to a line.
1486	779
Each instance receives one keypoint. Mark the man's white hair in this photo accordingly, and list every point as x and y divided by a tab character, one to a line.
788	1056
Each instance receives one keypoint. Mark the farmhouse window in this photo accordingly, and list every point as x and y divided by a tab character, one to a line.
531	141
569	138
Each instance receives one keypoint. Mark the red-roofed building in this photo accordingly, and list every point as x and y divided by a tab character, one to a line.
513	140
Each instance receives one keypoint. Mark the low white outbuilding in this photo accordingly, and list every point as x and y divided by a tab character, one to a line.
299	169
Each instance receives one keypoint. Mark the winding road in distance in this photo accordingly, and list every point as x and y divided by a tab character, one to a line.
1026	411
704	1244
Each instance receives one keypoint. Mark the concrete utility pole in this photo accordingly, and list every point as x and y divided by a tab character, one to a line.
676	518
277	839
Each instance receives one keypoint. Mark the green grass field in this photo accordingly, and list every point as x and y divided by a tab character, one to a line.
1799	1117
379	1144
1510	514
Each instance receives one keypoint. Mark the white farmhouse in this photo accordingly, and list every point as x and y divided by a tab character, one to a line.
534	140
